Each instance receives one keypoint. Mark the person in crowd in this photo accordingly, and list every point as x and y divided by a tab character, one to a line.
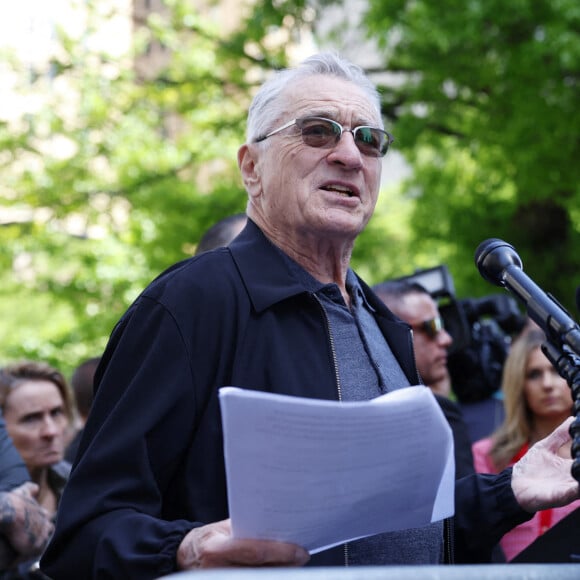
537	400
25	526
221	233
37	406
413	304
82	383
278	310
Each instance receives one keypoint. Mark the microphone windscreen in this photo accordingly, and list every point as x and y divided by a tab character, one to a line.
492	257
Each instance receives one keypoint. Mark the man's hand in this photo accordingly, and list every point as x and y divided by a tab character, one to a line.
212	546
24	523
542	479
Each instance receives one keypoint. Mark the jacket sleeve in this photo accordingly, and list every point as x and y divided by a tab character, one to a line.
461	442
111	521
485	509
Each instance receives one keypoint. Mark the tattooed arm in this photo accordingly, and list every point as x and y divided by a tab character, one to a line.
23	522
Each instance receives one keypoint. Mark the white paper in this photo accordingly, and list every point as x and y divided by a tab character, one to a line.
319	473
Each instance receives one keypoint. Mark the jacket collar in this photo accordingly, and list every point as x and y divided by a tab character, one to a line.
264	273
268	280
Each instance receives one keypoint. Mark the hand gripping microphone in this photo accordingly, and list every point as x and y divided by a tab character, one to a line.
499	264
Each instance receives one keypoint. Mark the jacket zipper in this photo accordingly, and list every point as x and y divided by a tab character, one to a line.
448	541
332	349
338	385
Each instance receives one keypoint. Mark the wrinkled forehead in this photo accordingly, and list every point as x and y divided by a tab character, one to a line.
26	390
329	96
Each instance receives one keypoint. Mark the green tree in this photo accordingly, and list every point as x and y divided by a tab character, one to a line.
119	172
485	112
100	194
124	166
481	97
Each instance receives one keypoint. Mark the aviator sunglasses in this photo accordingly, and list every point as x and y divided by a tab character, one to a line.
325	133
431	327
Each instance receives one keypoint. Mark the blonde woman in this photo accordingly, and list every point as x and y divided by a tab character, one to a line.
536	399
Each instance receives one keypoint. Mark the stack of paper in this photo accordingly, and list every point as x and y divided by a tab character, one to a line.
319	473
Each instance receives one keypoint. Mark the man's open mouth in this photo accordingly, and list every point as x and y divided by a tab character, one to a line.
340	189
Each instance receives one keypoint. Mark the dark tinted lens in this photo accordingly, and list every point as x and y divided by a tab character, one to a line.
318	132
371	141
433	327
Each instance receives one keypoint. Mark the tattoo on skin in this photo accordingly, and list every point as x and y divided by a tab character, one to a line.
7	511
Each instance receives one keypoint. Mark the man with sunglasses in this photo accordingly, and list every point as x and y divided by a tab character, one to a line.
278	310
413	304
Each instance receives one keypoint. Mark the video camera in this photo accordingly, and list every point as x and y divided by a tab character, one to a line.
481	328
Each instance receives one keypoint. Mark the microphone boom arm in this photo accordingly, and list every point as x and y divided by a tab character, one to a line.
499	264
568	365
544	310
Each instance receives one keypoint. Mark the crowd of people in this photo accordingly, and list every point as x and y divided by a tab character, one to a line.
269	302
536	399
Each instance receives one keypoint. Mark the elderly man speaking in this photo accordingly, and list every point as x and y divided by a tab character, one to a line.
279	310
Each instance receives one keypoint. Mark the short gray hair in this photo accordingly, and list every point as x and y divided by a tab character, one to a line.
264	110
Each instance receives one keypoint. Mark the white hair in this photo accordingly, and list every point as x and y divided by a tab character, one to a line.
264	110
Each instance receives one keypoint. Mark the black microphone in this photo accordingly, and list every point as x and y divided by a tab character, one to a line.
499	264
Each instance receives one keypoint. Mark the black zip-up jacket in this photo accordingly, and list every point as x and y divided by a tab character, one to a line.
150	464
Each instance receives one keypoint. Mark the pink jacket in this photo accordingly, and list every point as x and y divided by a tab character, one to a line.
523	535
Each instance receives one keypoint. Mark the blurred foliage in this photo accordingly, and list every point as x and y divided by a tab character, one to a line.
485	108
100	192
116	175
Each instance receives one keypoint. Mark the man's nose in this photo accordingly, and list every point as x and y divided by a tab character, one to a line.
345	151
444	338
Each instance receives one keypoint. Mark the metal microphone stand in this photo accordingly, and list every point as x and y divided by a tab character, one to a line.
567	363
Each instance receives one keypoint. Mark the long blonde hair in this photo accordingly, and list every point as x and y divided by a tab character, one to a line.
517	426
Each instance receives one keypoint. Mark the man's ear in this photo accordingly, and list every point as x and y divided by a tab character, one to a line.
249	169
